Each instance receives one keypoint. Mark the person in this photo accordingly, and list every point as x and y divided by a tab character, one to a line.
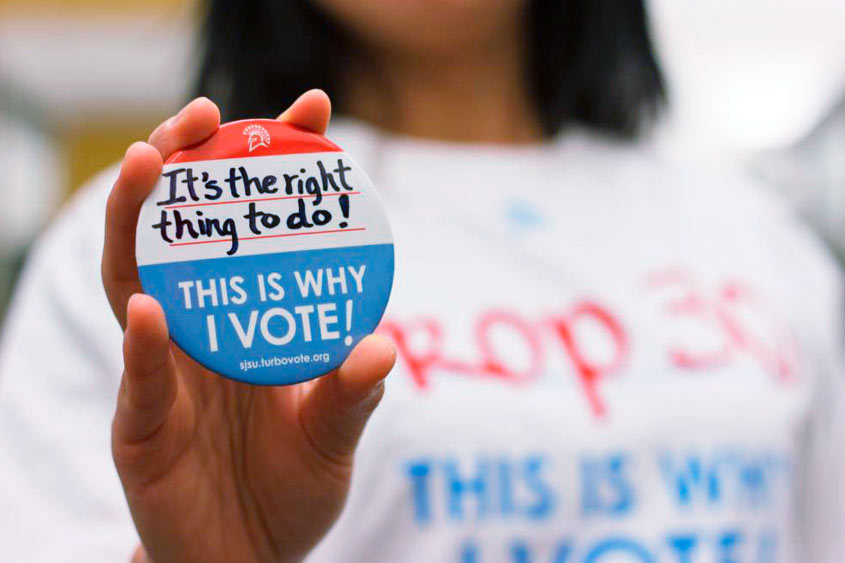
601	355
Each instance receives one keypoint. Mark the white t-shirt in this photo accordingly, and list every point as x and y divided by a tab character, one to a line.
602	357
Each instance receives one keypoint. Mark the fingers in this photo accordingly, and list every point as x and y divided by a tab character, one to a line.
338	406
311	111
148	389
138	174
196	122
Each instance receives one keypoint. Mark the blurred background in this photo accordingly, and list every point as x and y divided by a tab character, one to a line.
758	84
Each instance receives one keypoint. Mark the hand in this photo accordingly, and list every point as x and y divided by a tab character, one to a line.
213	469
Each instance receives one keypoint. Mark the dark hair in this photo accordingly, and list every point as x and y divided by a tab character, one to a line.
591	61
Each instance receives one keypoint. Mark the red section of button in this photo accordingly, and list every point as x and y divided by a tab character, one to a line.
255	137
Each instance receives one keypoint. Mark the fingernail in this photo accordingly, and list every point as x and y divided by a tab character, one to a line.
131	147
176	118
132	299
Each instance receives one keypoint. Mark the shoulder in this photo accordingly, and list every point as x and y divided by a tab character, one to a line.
68	253
87	206
721	209
716	194
75	237
59	295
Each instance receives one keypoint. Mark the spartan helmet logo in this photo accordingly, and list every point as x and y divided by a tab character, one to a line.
257	136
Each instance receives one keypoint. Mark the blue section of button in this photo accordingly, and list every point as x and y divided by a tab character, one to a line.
274	319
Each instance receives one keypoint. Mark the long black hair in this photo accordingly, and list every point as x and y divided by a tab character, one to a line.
590	61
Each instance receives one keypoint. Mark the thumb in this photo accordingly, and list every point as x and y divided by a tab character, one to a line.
338	405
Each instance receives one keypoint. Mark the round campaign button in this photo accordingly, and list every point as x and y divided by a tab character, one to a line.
269	251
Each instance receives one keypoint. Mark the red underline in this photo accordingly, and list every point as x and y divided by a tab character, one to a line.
303	196
269	236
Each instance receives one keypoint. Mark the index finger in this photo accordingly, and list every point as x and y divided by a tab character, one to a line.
139	172
196	122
